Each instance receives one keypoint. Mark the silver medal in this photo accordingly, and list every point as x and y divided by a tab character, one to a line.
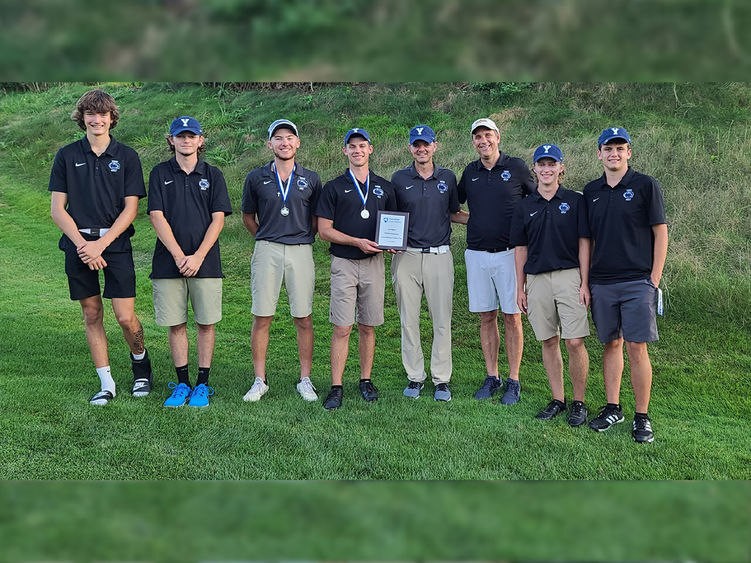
364	213
285	211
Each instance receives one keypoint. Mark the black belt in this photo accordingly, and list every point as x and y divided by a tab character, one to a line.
492	250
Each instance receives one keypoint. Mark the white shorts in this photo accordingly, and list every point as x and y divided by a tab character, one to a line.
491	278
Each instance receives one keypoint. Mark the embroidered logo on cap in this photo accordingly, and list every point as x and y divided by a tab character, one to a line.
185	121
547	148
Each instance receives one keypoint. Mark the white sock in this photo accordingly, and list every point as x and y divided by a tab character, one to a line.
108	384
139	357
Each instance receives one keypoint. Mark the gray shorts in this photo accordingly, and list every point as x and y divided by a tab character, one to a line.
625	309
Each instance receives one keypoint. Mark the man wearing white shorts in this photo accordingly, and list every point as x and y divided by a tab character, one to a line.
550	235
188	202
347	212
492	186
278	206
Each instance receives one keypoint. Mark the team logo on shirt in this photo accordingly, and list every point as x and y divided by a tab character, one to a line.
443	187
203	184
564	207
505	175
114	165
377	191
302	183
628	195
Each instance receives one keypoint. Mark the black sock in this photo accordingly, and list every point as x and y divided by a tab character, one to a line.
616	405
638	415
336	387
182	374
361	380
203	376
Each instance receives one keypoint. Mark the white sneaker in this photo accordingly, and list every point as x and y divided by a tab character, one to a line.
306	390
257	391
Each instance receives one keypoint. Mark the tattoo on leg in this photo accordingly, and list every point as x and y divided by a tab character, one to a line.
138	344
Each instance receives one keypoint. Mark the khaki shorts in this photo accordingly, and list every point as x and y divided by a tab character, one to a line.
553	300
171	300
273	262
357	284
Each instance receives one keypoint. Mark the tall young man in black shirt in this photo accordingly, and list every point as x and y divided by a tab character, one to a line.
96	183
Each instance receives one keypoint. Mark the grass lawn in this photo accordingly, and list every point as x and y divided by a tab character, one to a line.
700	402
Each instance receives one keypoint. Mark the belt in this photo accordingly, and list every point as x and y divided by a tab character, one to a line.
493	250
443	249
95	232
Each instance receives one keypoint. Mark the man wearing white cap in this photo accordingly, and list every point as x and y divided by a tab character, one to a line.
428	193
492	186
279	199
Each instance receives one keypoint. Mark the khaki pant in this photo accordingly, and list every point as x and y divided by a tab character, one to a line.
413	273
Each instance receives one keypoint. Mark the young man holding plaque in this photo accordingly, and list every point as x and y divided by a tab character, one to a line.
278	204
428	193
493	186
347	217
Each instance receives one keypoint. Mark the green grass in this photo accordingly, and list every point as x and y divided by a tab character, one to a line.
700	395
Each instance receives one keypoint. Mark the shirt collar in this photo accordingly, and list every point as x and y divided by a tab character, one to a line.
501	161
558	194
415	174
199	169
627	177
110	150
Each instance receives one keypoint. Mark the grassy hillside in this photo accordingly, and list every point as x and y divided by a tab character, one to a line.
693	138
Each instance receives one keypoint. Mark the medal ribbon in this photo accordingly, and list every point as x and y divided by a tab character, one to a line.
363	198
284	190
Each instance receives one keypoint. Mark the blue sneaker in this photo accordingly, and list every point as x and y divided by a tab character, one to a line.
200	396
489	386
442	392
513	390
180	395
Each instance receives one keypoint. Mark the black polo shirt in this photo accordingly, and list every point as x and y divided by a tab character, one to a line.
261	197
429	203
187	201
492	196
621	220
341	203
550	230
97	186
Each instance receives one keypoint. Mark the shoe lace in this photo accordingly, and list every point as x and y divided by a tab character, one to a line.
442	387
576	408
414	385
307	386
203	391
178	389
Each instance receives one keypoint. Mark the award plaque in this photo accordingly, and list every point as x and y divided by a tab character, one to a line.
391	230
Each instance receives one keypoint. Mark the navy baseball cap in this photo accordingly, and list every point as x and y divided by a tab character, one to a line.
548	151
185	123
357	131
421	133
611	133
282	123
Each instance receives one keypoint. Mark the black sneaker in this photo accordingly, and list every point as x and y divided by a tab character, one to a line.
368	390
489	387
334	399
554	408
642	430
143	378
578	414
608	416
